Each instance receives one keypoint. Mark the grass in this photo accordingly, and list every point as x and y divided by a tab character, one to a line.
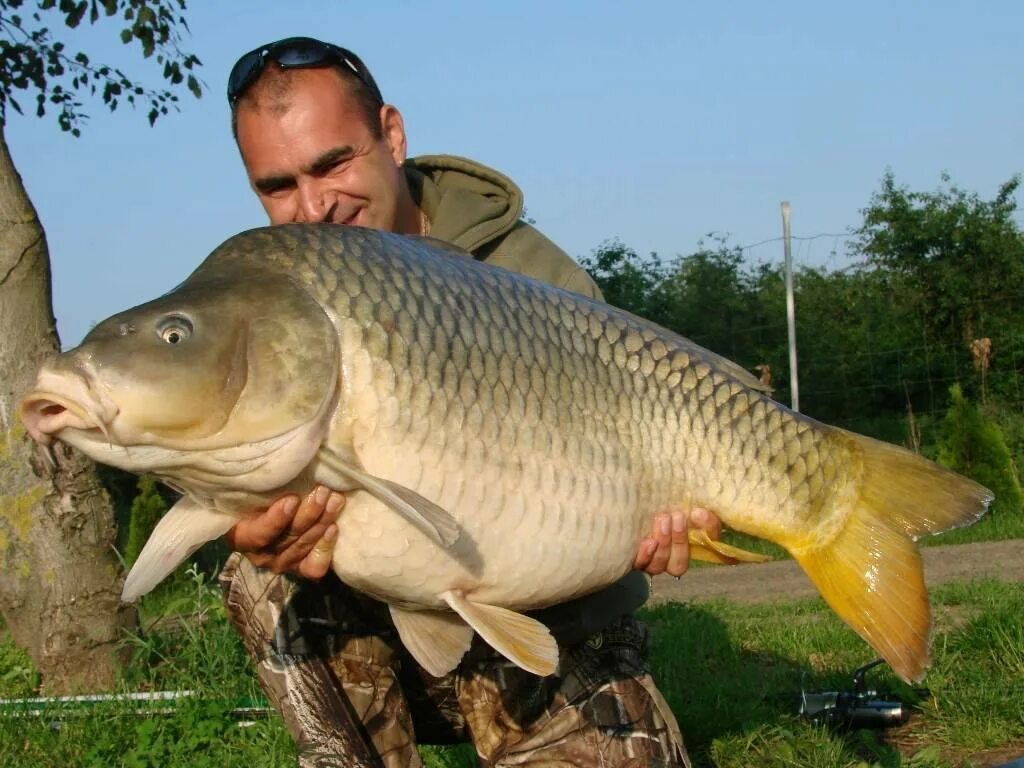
203	655
732	674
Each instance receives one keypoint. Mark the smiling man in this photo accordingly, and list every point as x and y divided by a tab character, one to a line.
319	144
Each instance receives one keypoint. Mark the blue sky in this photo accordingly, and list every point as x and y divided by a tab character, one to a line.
654	122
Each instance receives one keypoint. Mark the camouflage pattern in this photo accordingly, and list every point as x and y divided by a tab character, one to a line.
306	638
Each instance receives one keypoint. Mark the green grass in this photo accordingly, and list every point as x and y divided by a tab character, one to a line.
203	655
992	527
732	674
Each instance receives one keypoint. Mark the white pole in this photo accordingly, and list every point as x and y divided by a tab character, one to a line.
794	388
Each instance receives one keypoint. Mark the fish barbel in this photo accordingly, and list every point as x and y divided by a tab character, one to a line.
504	443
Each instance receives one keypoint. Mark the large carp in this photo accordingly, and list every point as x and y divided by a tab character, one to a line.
504	443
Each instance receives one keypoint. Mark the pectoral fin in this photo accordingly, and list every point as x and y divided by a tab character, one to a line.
420	512
522	640
703	547
185	528
436	639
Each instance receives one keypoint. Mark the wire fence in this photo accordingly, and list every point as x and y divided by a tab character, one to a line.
892	390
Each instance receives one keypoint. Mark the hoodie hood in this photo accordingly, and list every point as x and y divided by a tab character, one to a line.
467	204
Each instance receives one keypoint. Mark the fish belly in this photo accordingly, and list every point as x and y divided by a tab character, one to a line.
532	533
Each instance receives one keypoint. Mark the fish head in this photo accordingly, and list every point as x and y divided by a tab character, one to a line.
226	380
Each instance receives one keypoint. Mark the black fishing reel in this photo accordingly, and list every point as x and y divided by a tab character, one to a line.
860	707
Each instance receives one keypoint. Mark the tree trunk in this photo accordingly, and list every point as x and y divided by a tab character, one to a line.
59	576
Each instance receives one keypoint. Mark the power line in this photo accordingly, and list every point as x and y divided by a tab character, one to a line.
837	236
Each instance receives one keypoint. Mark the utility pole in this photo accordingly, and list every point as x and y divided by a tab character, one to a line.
794	388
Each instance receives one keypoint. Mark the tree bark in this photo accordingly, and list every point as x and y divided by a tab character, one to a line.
59	576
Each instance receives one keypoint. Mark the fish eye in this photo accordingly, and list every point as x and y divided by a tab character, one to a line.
174	329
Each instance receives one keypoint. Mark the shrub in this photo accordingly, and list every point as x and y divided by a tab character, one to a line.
147	508
973	445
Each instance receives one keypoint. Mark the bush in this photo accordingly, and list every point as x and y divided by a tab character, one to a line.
973	445
147	508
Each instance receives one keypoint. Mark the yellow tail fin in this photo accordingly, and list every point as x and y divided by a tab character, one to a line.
871	573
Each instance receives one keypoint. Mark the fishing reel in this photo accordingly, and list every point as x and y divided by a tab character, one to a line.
860	707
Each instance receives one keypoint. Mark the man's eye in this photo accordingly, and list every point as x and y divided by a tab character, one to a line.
277	191
334	167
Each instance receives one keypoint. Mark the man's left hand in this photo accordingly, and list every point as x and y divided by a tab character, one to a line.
667	549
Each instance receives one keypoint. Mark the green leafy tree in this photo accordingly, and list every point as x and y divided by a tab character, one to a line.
960	258
707	298
626	280
59	592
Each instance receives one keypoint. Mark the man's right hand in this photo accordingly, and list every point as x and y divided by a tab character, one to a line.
292	535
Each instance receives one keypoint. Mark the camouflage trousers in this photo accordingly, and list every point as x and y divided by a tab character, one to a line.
331	662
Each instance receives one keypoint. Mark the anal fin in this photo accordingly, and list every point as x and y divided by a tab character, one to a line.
522	640
436	639
180	532
703	547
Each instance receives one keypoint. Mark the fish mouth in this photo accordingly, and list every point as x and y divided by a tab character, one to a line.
60	403
45	415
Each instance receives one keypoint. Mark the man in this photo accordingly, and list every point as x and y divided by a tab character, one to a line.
320	145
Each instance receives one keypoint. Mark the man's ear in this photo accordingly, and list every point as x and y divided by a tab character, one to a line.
393	128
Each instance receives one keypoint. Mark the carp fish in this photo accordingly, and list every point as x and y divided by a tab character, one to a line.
504	443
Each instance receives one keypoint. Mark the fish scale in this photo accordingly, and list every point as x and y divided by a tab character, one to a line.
504	444
569	336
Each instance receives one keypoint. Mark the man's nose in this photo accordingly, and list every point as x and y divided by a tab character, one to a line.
315	203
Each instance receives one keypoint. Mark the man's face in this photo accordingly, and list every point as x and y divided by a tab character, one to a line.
317	160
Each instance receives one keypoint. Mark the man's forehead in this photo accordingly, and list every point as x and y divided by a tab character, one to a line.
278	89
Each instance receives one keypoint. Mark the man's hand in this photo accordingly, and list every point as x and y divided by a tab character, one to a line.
292	535
667	549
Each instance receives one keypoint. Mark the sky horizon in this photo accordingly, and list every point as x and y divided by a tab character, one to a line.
656	125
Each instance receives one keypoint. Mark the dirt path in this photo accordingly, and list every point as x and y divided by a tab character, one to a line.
785	581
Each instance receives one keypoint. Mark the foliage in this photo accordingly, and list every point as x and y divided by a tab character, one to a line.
961	257
34	61
147	508
974	446
17	675
625	279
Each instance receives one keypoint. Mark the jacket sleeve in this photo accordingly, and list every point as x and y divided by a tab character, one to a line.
525	250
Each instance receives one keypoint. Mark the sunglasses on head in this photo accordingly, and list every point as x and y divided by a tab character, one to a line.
295	53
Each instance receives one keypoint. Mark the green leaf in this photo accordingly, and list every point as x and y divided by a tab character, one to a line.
126	36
